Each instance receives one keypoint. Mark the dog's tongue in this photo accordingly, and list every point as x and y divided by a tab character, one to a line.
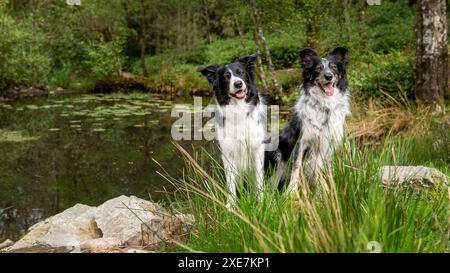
239	94
329	89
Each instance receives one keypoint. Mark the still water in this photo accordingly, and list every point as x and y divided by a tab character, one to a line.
62	150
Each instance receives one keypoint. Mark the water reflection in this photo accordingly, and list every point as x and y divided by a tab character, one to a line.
61	151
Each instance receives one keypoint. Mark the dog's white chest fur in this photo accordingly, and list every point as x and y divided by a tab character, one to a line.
323	121
241	133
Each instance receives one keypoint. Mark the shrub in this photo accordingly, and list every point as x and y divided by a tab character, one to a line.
285	47
61	77
23	59
390	27
284	50
197	56
391	73
229	50
180	77
284	56
156	63
289	79
105	58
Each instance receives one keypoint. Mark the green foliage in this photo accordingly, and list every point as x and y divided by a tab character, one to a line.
380	54
61	76
104	59
285	56
289	80
180	77
155	63
88	43
390	27
23	58
390	73
196	56
345	211
229	50
14	136
285	47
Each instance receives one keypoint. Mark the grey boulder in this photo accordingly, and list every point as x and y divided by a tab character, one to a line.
122	222
412	176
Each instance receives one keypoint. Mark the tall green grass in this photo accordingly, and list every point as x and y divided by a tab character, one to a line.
346	210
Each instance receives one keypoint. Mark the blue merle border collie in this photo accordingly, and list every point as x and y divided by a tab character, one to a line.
240	121
317	127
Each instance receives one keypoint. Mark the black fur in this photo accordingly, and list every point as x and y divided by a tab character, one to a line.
288	138
339	56
244	67
309	61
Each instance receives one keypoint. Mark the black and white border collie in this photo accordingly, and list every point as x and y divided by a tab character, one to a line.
240	121
317	126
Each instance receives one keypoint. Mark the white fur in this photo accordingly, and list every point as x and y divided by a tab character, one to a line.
241	134
234	79
322	132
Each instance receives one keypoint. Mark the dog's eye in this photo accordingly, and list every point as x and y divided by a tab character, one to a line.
227	75
319	67
239	72
333	66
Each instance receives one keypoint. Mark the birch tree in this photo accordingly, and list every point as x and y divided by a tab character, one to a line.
431	69
265	47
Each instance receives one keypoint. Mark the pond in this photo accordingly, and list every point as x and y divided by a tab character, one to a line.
67	149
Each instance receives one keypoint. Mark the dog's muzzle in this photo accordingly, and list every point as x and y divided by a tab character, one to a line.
239	93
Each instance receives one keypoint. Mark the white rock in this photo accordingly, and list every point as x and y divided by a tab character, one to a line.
67	228
6	244
122	217
127	221
134	250
412	175
101	245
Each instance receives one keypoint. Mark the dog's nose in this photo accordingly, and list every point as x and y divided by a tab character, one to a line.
328	76
237	84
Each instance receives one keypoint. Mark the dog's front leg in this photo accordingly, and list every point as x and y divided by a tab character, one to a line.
297	169
231	179
259	171
279	174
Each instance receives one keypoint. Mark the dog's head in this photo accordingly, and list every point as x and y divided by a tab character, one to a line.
326	72
234	81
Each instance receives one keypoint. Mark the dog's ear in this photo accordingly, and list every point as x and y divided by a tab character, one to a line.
210	72
249	62
340	53
306	57
250	59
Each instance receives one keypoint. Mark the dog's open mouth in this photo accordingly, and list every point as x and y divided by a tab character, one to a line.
328	89
240	94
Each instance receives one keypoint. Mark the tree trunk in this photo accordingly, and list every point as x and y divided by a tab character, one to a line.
362	28
208	24
345	9
259	66
260	37
238	26
143	40
431	69
312	32
362	10
143	65
157	42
